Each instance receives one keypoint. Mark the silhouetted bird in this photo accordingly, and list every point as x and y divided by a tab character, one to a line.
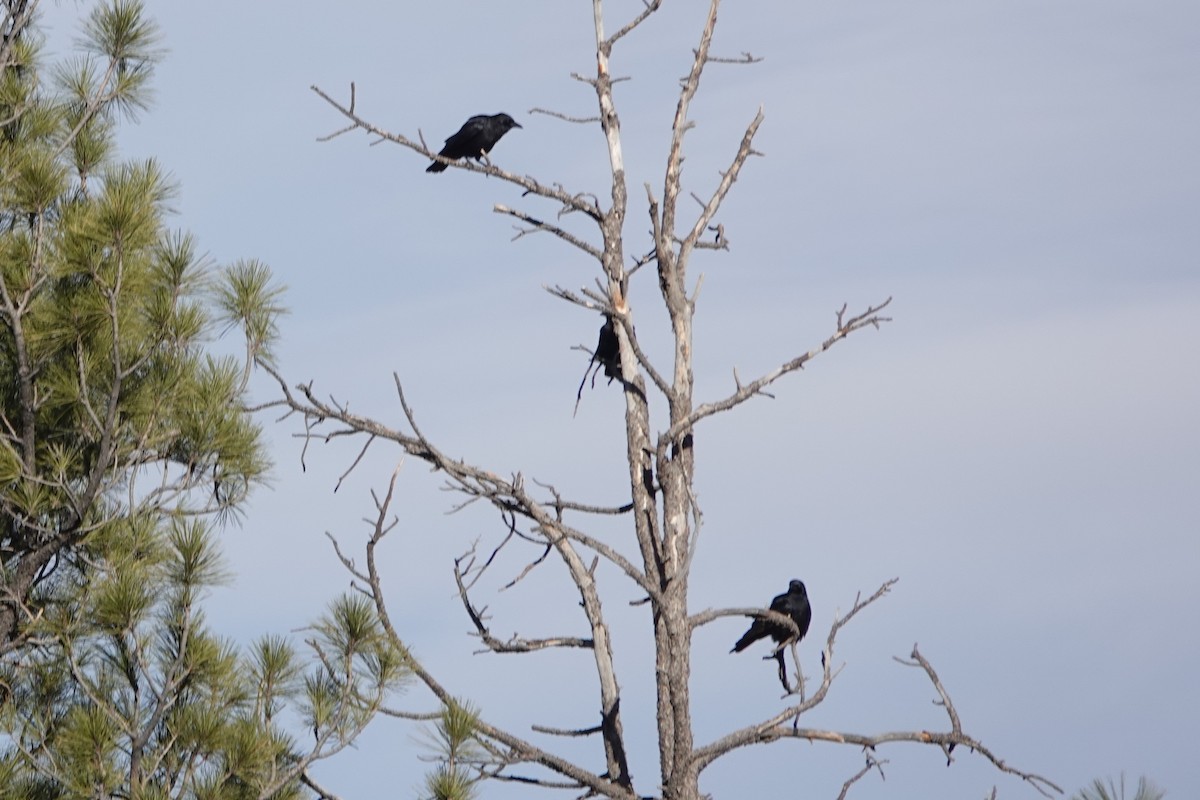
475	138
608	350
607	355
793	603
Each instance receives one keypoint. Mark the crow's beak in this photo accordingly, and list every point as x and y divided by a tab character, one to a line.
516	124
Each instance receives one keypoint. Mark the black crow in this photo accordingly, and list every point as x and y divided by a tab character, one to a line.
793	603
607	355
608	350
474	139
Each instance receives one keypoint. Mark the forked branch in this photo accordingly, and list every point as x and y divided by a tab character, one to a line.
868	318
507	748
531	186
777	727
515	644
473	481
745	150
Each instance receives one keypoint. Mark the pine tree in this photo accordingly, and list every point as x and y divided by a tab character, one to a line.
129	694
1111	790
125	442
112	412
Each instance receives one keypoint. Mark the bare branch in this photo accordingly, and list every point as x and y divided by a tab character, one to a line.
745	150
347	562
530	185
516	644
567	732
583	508
354	464
776	728
708	615
745	391
948	741
591	299
680	126
521	750
752	734
650	8
473	481
872	763
539	225
564	117
321	791
541	782
415	716
744	58
350	127
546	549
1043	785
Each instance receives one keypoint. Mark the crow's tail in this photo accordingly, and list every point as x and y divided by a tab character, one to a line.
749	638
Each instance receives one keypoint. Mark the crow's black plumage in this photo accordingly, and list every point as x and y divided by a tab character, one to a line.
608	350
475	138
607	354
793	603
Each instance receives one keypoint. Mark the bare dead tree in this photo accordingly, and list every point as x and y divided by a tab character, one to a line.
665	518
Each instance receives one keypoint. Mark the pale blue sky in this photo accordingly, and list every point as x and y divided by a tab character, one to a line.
1019	447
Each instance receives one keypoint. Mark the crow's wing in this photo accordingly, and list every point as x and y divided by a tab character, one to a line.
465	142
758	629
